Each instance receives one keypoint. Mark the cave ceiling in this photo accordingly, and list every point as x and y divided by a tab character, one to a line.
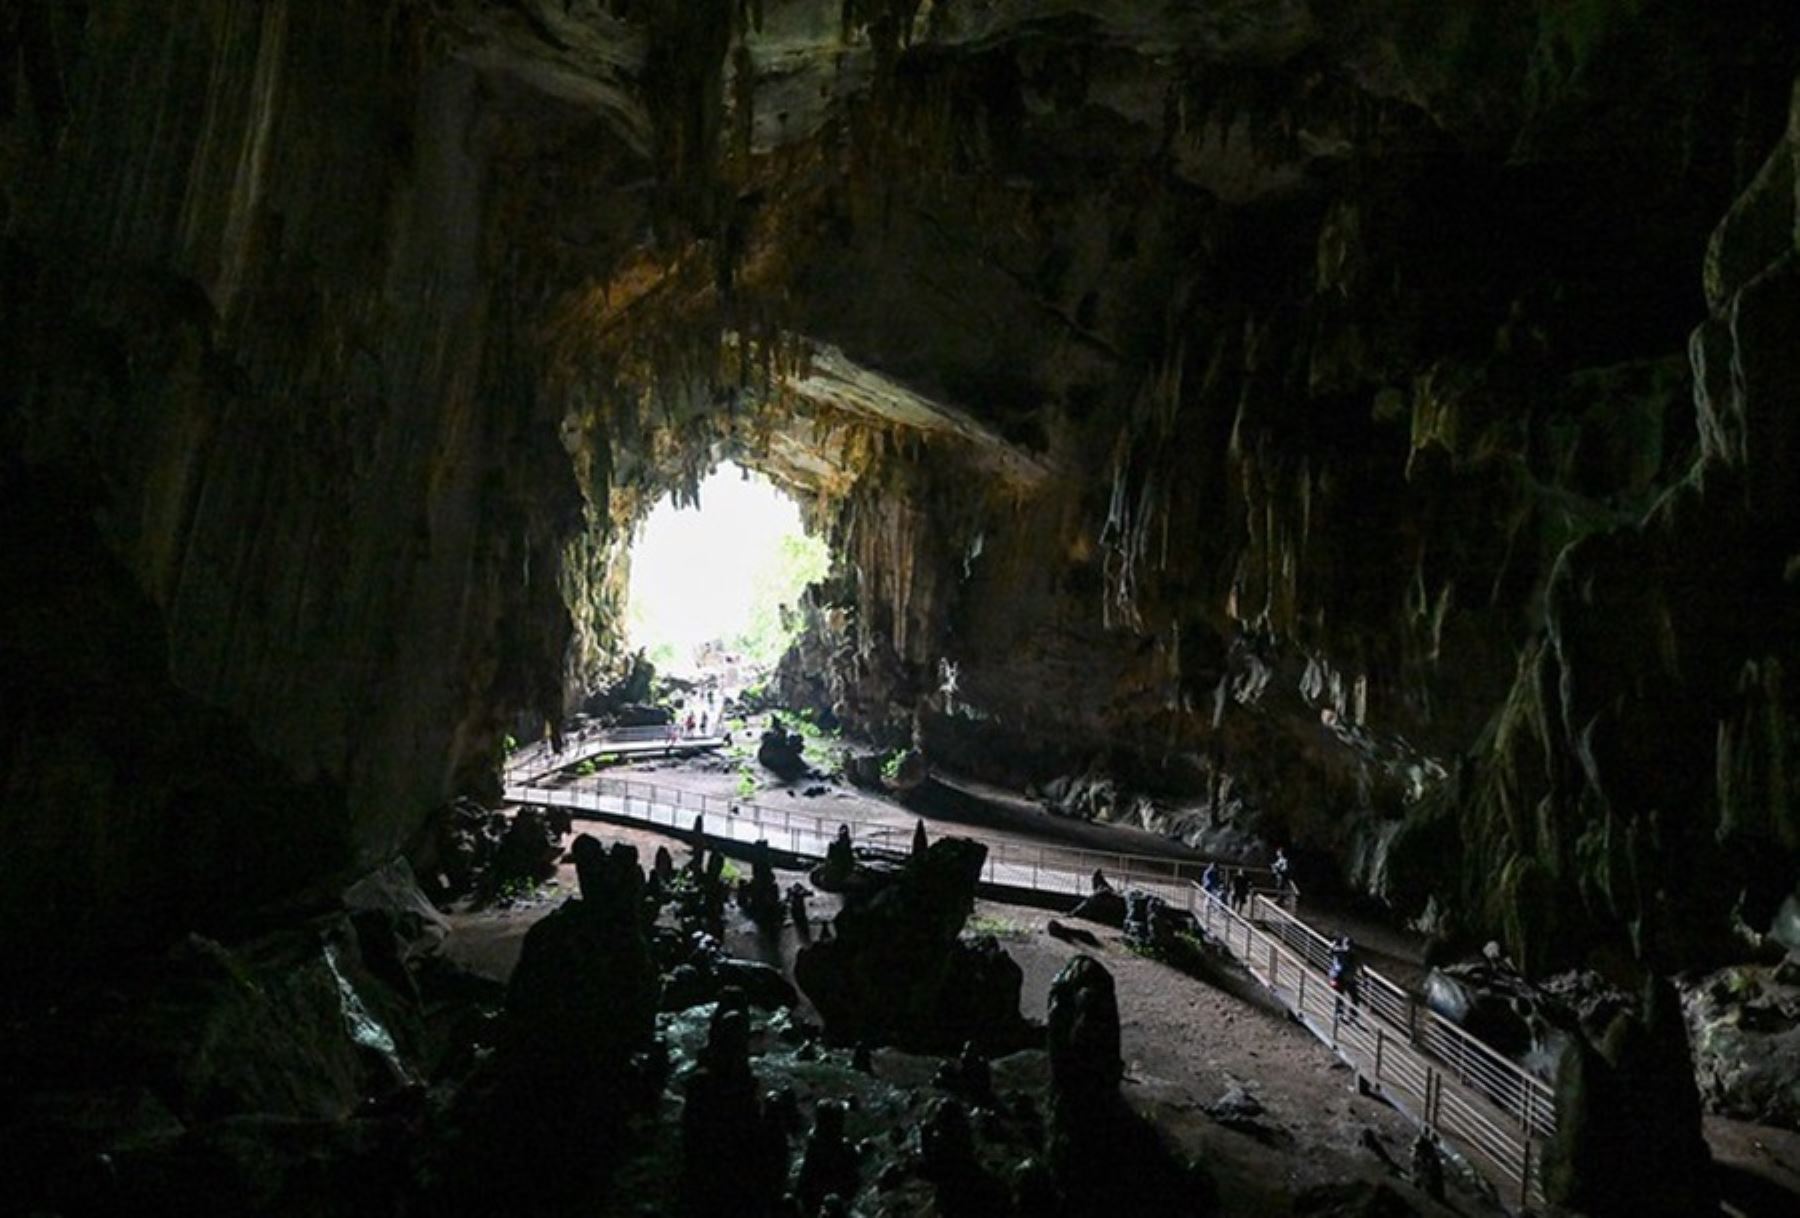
938	258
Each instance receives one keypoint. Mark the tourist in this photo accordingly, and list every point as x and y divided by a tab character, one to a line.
1280	868
1342	974
1240	889
1209	880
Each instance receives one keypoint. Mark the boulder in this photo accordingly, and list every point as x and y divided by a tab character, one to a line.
947	1158
705	972
1497	1005
1104	1158
1744	1023
828	1166
760	896
897	972
527	853
781	752
1628	1134
393	890
1152	924
1105	907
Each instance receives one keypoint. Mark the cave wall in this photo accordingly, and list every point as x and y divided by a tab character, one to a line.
259	309
1283	413
1357	346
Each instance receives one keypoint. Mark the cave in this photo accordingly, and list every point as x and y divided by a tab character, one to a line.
1348	429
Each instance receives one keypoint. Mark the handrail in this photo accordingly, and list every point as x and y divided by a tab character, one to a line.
1474	1061
1119	864
533	761
1052	868
1115	864
1501	1128
1447	1080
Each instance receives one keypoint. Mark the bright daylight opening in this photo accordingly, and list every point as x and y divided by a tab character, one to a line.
708	583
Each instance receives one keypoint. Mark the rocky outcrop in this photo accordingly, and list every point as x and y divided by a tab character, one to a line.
897	971
280	1073
1628	1137
584	994
1102	1156
1744	1025
732	1145
1635	774
255	301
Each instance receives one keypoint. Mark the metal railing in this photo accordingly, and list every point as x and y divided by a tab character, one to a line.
1491	1110
1052	869
1473	1062
534	761
1444	1079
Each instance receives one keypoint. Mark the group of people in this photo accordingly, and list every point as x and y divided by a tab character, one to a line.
1232	885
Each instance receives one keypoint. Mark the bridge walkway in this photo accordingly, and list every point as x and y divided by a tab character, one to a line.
1479	1103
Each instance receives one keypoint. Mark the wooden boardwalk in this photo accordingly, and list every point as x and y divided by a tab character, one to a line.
1479	1103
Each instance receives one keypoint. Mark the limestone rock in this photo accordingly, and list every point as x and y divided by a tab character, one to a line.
583	996
1744	1023
781	751
896	970
1628	1138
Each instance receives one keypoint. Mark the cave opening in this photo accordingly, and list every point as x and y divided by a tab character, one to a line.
1363	438
714	576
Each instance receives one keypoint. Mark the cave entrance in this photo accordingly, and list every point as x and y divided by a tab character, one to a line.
709	578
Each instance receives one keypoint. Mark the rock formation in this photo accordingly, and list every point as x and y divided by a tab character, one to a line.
1628	1137
735	1151
897	971
1103	1157
583	997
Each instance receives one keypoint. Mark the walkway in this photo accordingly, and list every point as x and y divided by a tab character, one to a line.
1477	1101
535	761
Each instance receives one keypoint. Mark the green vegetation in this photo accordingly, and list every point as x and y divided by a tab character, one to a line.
746	783
998	927
890	768
799	560
587	768
509	744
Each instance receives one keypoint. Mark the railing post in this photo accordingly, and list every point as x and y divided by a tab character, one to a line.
1378	1048
1525	1173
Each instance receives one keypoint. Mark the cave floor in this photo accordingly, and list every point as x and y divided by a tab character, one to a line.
1186	1044
995	813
